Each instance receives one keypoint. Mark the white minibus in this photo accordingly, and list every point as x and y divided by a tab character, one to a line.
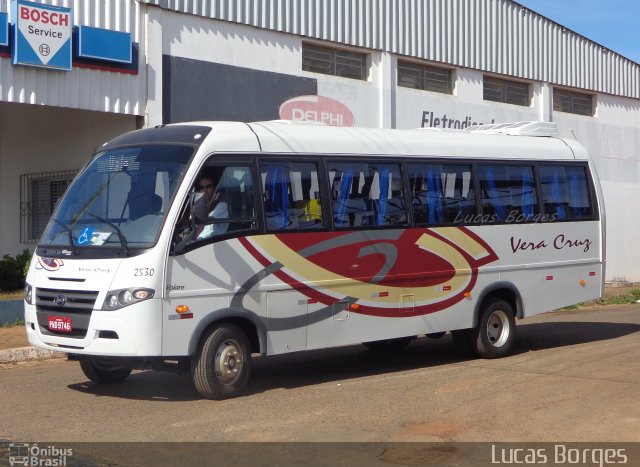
195	247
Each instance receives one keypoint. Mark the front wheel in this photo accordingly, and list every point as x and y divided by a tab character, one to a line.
496	331
103	373
222	364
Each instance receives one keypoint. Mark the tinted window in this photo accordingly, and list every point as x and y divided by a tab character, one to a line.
442	193
508	193
366	194
565	192
224	201
291	195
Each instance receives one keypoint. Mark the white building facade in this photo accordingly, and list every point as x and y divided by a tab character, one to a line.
368	63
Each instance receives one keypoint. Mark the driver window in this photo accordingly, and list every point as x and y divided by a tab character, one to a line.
223	202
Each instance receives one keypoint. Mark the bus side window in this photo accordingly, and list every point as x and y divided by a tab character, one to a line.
565	192
291	195
223	202
442	193
508	193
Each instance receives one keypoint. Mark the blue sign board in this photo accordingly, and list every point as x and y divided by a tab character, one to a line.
42	35
103	44
4	29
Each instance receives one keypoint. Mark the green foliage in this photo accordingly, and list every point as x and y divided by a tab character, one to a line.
621	299
13	270
17	322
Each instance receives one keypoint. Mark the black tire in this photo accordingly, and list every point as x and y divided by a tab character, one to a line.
495	333
103	373
222	365
388	345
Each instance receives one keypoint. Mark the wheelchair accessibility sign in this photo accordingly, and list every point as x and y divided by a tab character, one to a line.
85	236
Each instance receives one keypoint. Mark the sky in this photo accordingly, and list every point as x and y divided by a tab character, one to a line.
612	23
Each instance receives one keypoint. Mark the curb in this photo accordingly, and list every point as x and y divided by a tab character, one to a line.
23	354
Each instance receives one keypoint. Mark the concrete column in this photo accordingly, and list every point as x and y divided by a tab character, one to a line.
384	65
543	101
153	45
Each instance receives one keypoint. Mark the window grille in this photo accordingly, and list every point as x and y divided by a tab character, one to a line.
505	91
572	102
39	194
336	62
427	78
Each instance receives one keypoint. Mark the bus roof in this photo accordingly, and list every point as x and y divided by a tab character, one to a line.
287	137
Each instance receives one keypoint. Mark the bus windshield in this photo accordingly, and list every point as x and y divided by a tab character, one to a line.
119	200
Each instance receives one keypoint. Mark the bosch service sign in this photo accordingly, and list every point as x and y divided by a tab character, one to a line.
42	35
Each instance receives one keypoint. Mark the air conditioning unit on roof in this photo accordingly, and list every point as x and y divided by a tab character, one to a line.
518	128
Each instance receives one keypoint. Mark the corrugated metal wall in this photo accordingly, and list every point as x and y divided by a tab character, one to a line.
81	88
498	36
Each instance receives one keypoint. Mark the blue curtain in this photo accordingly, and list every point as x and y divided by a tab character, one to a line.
575	194
384	195
556	195
276	182
344	190
528	193
494	195
434	196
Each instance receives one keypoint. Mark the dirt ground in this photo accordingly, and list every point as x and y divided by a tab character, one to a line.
12	337
16	336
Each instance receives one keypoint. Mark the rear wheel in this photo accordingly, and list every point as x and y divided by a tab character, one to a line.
391	345
496	331
102	372
222	364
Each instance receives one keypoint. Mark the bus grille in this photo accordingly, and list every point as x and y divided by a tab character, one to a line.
76	305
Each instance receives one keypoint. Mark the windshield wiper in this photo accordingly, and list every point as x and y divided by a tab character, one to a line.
69	231
121	237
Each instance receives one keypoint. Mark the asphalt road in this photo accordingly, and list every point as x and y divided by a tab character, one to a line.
574	376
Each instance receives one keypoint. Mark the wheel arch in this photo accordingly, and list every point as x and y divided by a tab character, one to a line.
249	322
502	290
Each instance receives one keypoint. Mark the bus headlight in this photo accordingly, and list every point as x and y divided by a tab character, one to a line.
28	293
120	298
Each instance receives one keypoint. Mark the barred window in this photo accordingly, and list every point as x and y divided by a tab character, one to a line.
39	194
425	77
505	91
572	102
336	62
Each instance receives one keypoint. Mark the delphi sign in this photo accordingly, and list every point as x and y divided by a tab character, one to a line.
317	109
42	35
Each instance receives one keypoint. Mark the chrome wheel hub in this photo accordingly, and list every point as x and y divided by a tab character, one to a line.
498	328
229	361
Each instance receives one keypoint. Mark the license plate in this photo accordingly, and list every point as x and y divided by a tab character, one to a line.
59	324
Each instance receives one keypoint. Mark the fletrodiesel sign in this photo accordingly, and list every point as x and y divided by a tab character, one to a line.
42	35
